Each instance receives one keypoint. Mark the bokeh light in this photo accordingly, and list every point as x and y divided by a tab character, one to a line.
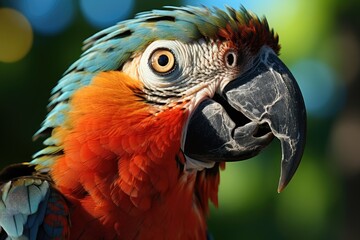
320	44
105	13
260	7
323	95
47	17
15	35
216	3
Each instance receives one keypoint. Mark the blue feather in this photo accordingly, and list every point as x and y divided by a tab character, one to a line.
20	200
111	48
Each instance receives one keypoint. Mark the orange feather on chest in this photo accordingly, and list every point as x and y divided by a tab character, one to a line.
120	165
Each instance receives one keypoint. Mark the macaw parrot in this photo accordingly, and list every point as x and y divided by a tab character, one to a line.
139	127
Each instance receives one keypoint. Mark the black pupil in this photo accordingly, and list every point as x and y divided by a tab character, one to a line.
163	60
230	59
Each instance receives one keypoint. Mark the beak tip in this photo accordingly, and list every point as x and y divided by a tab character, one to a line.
287	172
282	185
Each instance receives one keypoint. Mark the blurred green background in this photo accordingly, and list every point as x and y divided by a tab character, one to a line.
321	45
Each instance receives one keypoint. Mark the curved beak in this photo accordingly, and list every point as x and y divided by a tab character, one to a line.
263	102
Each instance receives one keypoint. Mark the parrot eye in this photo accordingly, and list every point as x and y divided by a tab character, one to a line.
162	61
231	59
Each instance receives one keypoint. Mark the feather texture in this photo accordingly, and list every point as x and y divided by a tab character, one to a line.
112	166
30	208
111	48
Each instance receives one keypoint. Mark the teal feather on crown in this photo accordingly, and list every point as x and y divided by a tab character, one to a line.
111	48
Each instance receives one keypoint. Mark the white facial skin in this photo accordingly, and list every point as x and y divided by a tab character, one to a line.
200	69
173	72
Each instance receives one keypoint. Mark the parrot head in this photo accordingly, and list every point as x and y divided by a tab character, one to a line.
224	73
167	98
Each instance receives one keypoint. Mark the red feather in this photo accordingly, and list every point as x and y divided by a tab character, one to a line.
119	168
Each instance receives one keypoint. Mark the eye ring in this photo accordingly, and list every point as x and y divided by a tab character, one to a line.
231	58
162	61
